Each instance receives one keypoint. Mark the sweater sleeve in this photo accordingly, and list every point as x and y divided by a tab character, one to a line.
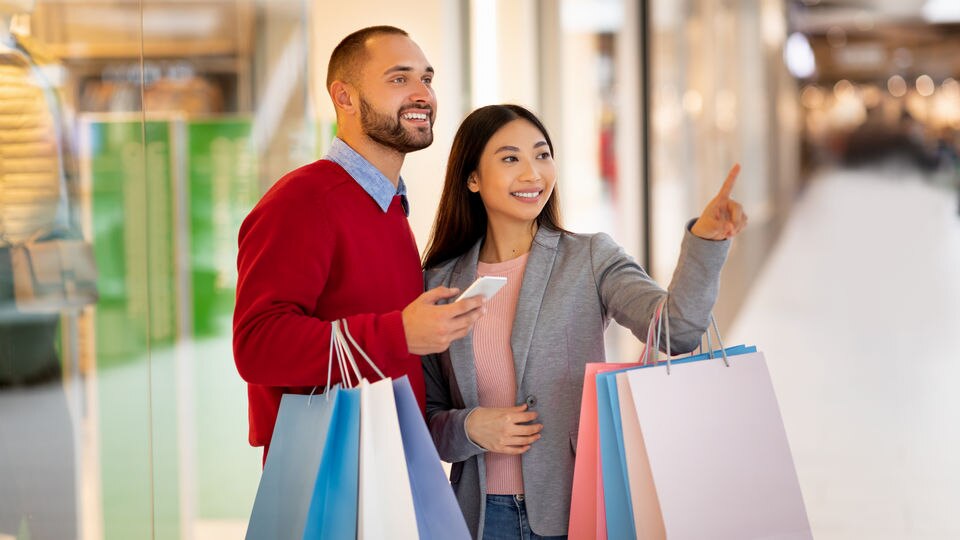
285	255
630	295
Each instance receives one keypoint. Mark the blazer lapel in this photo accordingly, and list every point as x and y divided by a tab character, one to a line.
543	253
461	351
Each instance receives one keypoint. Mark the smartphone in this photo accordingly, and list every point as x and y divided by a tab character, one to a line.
484	285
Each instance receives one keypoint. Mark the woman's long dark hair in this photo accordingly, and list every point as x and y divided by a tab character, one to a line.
461	218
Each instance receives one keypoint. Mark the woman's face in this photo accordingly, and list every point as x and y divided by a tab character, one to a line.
516	173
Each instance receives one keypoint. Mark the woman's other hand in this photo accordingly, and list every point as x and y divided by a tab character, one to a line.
503	430
723	217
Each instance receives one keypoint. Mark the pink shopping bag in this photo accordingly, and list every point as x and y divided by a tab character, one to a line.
587	515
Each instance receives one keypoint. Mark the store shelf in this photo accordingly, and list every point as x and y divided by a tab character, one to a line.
98	29
94	37
153	49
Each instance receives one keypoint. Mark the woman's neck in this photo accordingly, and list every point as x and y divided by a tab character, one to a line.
507	240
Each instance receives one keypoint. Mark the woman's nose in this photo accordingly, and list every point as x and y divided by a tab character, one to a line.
530	172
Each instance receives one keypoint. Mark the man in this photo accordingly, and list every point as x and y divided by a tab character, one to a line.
331	241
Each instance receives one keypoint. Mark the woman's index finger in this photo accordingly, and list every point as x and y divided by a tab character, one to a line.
728	184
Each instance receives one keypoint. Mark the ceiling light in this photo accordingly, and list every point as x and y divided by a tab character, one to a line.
798	55
897	86
811	97
925	86
942	11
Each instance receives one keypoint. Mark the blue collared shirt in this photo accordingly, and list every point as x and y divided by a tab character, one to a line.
369	177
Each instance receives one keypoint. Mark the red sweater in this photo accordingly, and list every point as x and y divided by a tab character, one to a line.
317	248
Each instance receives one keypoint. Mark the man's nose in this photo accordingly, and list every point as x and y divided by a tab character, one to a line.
422	93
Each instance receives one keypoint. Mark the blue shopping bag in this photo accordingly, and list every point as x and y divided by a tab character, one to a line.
286	485
616	492
438	514
333	507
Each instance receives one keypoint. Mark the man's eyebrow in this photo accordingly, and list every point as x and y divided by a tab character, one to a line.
403	68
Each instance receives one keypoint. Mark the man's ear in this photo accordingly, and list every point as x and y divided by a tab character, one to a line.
343	97
472	183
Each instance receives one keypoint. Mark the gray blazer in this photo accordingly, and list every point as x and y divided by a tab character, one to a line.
573	285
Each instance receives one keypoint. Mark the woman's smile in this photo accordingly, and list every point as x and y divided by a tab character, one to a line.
528	195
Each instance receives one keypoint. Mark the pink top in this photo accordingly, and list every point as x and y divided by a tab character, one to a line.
493	357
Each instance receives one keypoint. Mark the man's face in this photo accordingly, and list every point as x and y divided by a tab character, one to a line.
397	101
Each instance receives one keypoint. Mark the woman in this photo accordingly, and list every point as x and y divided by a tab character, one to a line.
503	403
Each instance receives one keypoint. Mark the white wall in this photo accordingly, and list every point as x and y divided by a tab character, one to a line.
504	57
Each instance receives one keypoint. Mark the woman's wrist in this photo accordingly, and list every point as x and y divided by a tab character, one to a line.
467	425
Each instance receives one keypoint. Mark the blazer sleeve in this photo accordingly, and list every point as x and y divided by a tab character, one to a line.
448	425
630	296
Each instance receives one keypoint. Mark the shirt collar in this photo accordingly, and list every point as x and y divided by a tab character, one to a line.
369	177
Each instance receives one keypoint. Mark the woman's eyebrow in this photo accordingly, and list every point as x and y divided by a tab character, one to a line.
515	149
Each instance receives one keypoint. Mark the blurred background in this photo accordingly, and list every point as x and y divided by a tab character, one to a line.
137	134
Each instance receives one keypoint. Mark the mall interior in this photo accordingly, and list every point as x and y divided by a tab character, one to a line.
140	133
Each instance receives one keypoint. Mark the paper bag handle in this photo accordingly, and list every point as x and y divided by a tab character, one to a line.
340	341
661	319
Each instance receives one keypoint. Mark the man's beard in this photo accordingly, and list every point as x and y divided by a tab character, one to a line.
390	132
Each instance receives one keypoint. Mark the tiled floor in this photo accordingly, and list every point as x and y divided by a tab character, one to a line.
858	313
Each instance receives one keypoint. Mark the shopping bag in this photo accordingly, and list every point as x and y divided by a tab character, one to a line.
720	465
587	511
616	495
623	510
286	485
386	503
438	514
601	500
645	508
333	506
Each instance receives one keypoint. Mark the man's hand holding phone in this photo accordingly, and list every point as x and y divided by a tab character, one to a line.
485	286
430	328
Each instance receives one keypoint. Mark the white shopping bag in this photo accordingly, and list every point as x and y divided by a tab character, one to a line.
645	505
386	502
720	466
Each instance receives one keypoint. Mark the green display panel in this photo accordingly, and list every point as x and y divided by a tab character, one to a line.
132	215
129	167
223	188
222	172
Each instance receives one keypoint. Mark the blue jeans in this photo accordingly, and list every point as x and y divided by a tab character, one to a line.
506	519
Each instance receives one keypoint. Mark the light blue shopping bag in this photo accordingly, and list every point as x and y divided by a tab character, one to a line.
333	507
286	485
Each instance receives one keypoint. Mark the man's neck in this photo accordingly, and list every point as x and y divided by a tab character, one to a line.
387	160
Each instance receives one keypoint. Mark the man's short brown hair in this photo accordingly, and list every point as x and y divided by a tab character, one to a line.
349	55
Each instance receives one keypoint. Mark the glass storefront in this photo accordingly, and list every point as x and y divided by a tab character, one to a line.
124	417
720	95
